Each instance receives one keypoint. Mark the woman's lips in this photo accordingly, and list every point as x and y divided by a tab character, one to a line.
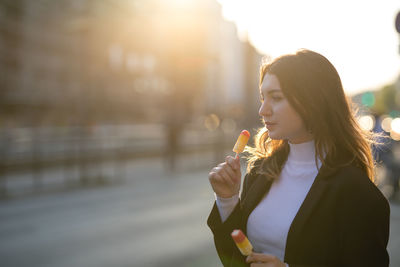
269	125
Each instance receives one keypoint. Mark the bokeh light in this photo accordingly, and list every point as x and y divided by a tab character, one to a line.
212	122
395	136
386	124
367	122
396	125
395	132
368	99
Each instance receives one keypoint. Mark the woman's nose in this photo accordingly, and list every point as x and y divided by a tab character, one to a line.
265	109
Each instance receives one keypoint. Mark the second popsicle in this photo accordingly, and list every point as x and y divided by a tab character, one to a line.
242	242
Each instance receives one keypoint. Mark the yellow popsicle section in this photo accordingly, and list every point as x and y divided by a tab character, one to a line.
242	242
241	141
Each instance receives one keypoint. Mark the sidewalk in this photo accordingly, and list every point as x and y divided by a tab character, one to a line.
99	174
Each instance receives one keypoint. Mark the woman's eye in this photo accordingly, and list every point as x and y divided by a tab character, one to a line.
276	98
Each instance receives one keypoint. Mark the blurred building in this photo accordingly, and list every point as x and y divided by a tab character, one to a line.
58	69
232	88
88	62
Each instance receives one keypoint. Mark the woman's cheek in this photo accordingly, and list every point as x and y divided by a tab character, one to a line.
280	109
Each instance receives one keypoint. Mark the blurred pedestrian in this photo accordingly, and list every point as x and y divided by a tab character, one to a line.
172	145
308	197
386	157
173	124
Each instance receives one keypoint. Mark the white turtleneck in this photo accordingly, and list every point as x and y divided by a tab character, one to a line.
269	222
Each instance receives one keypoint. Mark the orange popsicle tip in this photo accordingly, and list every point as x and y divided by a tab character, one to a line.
238	236
242	243
245	132
241	141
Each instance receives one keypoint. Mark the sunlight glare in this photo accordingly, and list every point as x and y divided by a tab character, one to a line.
328	27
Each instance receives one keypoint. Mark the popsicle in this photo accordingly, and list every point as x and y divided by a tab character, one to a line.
242	242
241	141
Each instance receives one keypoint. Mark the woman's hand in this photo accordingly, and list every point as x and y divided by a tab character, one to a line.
264	260
226	177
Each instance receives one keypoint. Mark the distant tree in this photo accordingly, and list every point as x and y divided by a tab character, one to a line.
386	100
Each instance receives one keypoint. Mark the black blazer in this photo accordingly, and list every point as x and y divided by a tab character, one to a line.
343	221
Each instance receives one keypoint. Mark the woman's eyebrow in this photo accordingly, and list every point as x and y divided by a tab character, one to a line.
271	91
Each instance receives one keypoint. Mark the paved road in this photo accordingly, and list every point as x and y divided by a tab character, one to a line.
148	220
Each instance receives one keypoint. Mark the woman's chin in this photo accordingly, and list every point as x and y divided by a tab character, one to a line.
274	136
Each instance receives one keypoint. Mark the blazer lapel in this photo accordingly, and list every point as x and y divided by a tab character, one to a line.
261	186
317	190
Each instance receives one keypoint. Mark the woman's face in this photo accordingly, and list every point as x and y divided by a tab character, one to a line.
281	120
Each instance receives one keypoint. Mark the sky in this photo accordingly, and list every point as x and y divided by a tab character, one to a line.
358	37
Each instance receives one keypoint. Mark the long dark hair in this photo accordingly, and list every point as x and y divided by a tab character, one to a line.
313	88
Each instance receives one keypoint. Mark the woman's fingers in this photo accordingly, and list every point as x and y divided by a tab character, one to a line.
219	178
224	180
230	171
259	257
226	176
226	169
234	163
218	175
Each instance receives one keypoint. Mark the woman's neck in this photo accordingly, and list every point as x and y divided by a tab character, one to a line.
302	152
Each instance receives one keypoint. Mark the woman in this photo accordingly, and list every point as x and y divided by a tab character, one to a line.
308	198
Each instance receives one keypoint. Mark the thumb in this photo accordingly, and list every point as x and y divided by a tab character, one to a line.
259	257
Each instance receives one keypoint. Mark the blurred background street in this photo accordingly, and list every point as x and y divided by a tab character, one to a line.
150	219
112	113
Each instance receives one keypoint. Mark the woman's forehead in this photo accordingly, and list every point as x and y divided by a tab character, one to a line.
270	83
